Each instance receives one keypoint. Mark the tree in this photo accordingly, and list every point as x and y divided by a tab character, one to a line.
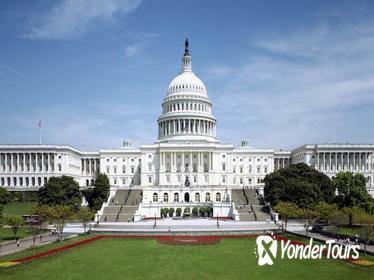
100	192
58	215
5	196
308	216
15	222
299	184
62	190
171	212
287	210
85	216
326	211
366	222
352	191
34	223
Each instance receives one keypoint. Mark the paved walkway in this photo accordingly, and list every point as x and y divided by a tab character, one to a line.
369	248
11	247
169	225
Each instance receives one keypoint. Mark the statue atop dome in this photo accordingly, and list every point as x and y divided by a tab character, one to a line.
186	50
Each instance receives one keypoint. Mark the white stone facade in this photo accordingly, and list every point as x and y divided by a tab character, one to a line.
186	160
334	158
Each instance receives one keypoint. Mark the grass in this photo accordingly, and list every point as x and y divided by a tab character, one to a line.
6	234
147	259
18	208
349	231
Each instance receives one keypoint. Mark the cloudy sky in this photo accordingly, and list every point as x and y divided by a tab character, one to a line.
279	73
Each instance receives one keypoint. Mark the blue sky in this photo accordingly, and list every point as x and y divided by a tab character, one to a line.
279	73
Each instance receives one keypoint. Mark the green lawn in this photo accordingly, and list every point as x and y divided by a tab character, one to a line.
147	259
18	208
6	234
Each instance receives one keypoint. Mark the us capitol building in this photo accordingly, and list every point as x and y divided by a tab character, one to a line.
185	167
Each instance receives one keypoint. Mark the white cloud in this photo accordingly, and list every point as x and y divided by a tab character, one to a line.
313	85
71	18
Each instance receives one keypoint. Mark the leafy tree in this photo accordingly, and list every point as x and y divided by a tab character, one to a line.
352	191
15	222
59	215
85	216
299	184
171	212
5	196
326	211
100	192
308	216
179	211
62	190
366	222
287	210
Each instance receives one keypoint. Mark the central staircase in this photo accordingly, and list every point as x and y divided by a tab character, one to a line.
250	206
122	206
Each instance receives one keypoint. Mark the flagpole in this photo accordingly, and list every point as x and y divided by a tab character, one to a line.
40	132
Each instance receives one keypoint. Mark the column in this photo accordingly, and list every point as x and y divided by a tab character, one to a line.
190	165
11	162
17	162
354	161
336	162
183	164
330	165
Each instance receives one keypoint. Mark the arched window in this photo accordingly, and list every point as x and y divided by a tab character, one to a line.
166	197
155	197
197	197
207	197
87	183
218	196
176	197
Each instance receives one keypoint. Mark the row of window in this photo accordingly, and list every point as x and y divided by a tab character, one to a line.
185	106
176	197
132	169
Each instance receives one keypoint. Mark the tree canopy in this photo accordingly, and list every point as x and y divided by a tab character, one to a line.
299	184
100	192
61	191
5	196
352	191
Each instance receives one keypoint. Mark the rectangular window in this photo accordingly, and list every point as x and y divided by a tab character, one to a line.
114	170
149	179
223	167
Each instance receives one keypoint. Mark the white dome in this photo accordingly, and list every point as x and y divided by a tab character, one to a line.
186	82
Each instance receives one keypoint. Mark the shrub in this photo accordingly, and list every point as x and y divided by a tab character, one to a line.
187	211
195	211
179	211
171	212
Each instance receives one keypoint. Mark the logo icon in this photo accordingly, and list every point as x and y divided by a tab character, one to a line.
266	249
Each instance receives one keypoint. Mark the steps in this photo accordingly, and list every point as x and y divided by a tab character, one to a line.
250	206
122	206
